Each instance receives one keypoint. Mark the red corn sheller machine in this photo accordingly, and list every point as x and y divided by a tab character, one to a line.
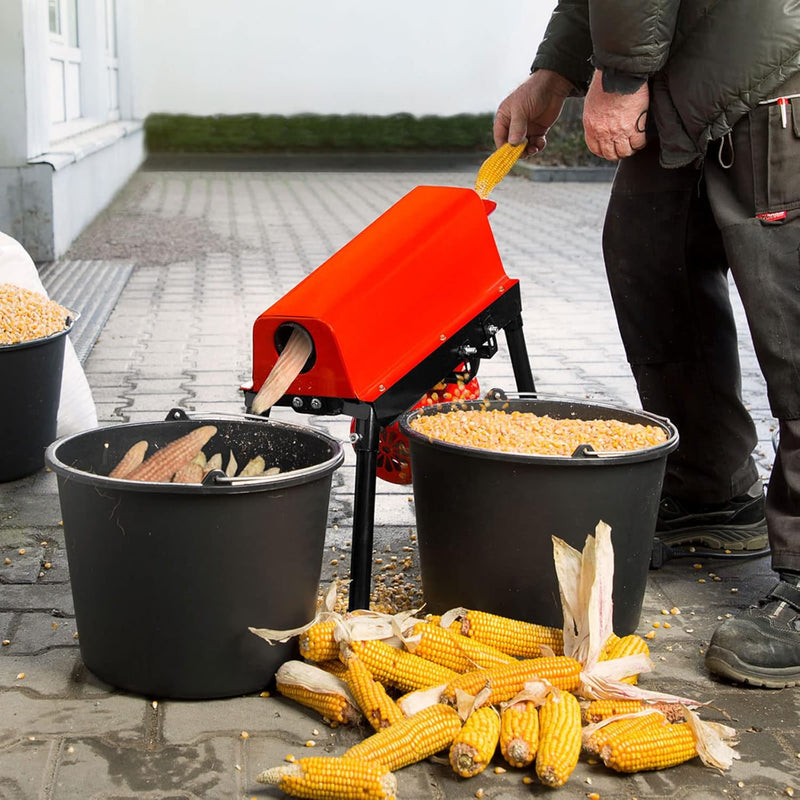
419	294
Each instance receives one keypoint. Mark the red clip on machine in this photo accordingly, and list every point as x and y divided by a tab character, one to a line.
416	294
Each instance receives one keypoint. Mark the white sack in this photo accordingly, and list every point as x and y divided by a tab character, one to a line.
76	411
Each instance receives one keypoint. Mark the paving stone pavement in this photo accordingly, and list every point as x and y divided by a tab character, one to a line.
210	251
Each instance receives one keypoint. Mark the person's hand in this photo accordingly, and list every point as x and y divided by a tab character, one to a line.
530	110
614	123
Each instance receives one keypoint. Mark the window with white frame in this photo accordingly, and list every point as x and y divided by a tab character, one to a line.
83	77
65	61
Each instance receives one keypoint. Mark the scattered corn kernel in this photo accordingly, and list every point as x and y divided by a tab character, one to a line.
479	793
527	780
650	635
20	676
290	758
311	743
667	625
6	642
499	770
7	561
264	694
22	551
656	624
734	590
674	610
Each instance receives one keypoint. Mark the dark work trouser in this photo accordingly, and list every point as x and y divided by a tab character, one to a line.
670	237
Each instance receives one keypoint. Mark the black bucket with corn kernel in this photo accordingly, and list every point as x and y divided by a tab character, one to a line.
495	480
167	578
29	398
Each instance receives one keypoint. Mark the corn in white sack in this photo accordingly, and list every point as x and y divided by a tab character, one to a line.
76	410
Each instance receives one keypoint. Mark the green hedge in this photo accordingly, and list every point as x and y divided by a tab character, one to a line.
304	133
346	133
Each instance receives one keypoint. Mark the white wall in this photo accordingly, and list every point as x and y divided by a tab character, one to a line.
332	56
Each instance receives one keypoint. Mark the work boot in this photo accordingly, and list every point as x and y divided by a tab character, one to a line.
738	525
761	646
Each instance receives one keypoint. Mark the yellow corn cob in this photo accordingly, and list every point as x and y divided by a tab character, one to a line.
400	669
625	646
655	746
603	709
411	740
164	463
519	733
377	707
334	666
474	746
329	778
456	652
319	690
508	680
132	458
317	643
559	738
624	728
511	636
496	167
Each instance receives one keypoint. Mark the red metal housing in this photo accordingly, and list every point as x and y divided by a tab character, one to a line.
390	297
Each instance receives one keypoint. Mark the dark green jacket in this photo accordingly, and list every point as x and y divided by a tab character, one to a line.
708	61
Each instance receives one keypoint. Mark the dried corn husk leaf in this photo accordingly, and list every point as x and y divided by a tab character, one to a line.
253	468
200	459
215	462
585	582
233	466
712	740
422	698
272	471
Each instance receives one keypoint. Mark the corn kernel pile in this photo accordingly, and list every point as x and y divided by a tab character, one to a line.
27	315
524	432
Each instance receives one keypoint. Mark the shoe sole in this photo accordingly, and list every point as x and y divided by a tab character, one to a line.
728	665
739	538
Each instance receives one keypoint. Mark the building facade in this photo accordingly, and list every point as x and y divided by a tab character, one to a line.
68	139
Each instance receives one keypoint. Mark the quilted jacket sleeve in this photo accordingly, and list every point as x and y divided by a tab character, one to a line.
567	44
632	36
624	37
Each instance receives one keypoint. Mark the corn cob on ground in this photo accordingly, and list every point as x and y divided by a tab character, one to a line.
508	680
599	710
318	690
624	728
619	647
519	733
377	707
476	742
413	739
511	636
559	738
657	746
400	669
452	650
330	778
317	643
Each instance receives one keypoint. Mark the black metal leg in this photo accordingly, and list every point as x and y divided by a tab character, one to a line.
366	448
518	351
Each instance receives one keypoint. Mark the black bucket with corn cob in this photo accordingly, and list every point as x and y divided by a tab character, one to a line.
170	565
33	331
495	480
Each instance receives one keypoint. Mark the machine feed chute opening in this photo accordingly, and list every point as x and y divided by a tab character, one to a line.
282	334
